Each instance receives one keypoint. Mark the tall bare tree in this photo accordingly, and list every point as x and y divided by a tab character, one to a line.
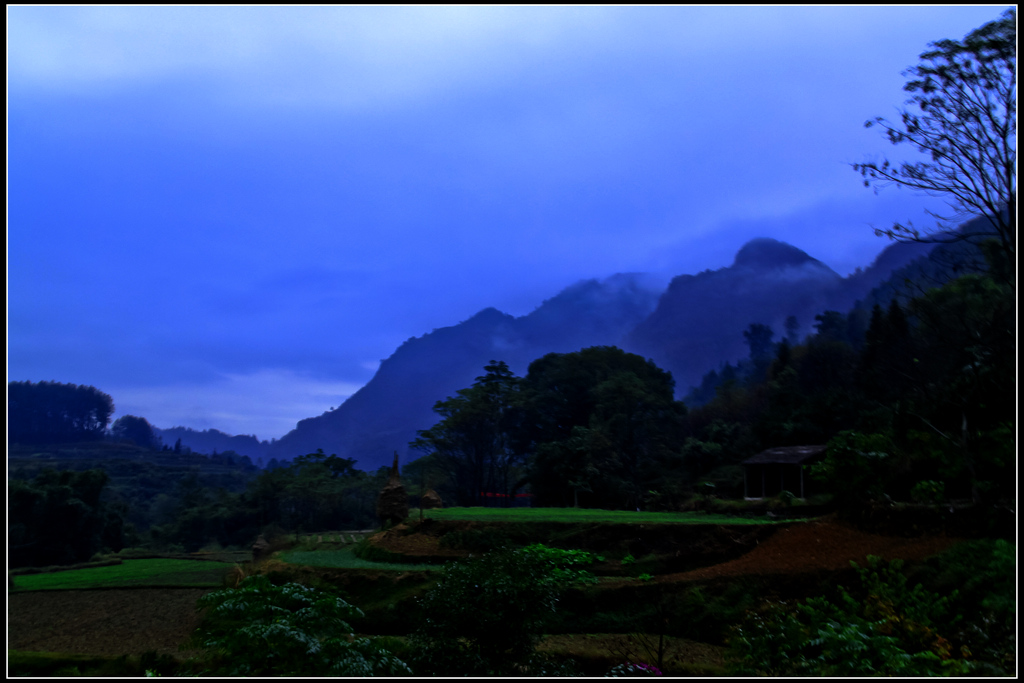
962	115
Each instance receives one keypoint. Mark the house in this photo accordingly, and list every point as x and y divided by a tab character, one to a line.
780	469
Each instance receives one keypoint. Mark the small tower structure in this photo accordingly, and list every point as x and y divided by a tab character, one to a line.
393	502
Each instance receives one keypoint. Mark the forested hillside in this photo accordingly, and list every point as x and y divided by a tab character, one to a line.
915	401
695	326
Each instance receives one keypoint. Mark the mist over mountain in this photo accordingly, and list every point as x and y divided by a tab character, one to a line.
211	441
690	328
700	319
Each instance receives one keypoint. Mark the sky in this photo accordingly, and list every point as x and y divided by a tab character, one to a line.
225	217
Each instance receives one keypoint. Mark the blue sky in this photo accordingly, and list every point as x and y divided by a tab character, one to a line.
226	216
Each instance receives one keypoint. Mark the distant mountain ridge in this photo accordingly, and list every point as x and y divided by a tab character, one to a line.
384	415
689	328
211	441
700	319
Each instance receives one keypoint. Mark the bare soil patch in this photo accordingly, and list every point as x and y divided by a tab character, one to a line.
821	545
401	539
102	622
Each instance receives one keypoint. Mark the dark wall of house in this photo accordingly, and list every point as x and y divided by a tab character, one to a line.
767	480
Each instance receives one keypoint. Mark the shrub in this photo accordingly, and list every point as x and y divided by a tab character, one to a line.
477	540
486	614
856	467
928	492
889	630
259	629
984	574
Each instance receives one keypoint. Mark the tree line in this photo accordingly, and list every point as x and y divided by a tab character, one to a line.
931	377
51	412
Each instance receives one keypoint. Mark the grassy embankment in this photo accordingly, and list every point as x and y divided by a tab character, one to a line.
163	573
583	516
344	558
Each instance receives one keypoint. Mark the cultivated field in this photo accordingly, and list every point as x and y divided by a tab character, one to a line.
148	605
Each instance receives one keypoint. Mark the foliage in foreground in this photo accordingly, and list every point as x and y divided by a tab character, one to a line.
260	629
486	615
60	518
888	629
984	575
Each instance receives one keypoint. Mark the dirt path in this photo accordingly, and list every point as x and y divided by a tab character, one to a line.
814	546
102	622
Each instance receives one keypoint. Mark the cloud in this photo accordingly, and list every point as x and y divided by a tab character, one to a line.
364	58
348	56
267	403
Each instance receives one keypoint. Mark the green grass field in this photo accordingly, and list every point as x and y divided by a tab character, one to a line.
580	515
131	574
344	558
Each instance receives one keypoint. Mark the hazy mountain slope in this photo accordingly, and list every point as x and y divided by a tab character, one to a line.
696	325
700	319
384	416
213	441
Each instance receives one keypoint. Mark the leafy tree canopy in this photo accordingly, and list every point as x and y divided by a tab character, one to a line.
260	629
51	412
962	117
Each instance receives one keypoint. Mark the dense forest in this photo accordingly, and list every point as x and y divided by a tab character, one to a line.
924	383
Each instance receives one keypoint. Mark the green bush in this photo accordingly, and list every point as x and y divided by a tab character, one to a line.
486	614
888	629
260	629
856	467
370	552
477	540
984	574
928	492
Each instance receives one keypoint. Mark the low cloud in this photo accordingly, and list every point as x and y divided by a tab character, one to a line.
267	403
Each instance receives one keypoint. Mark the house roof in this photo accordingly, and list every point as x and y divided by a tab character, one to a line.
790	455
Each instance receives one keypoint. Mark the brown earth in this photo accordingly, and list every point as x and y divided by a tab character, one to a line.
815	546
102	622
420	545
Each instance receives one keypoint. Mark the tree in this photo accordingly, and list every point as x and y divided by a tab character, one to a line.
473	439
51	412
58	518
962	115
486	614
137	429
261	629
792	330
601	408
759	338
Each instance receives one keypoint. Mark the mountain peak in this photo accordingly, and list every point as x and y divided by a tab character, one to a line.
764	253
488	315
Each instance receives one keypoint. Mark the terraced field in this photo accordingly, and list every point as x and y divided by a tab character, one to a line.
149	605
